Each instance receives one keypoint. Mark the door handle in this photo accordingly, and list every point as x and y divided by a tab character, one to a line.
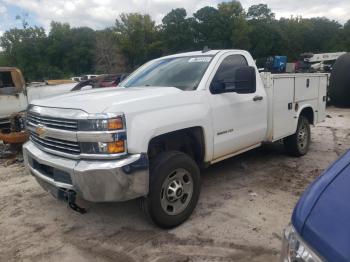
257	98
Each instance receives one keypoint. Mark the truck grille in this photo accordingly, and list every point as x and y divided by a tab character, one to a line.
56	144
57	123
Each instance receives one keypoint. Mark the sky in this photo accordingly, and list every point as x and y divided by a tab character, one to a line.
99	14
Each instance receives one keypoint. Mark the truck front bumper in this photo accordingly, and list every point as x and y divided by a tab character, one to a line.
92	180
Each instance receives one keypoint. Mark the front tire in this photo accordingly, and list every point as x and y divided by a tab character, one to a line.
298	144
174	189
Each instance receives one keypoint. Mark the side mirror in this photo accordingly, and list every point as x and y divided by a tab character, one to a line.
241	80
218	87
245	80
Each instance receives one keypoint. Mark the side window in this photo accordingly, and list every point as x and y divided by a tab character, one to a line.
226	71
7	87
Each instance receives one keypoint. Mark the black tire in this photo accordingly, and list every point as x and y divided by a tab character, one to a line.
163	167
339	89
298	144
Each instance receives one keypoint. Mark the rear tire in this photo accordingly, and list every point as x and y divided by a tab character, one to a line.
339	89
173	191
298	144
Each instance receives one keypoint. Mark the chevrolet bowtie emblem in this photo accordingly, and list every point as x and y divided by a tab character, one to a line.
41	131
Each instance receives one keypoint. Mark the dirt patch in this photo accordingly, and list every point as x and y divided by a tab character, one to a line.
245	203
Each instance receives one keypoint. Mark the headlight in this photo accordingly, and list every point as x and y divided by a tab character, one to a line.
112	124
115	147
295	250
102	122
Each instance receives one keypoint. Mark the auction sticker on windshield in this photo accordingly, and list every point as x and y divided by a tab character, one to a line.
199	59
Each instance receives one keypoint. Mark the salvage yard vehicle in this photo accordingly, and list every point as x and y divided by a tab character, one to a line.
13	103
173	116
15	97
88	77
107	80
76	78
320	226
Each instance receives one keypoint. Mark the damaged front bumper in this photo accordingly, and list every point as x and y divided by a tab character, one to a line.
92	180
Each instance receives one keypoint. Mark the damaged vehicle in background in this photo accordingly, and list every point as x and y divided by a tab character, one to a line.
13	103
107	80
15	96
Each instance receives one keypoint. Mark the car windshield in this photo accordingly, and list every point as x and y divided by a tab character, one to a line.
184	73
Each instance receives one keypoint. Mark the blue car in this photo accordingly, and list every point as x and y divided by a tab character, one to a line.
320	226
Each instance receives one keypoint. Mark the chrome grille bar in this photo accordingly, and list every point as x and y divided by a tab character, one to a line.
56	131
56	123
56	144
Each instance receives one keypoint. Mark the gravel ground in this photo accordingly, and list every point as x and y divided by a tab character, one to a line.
244	205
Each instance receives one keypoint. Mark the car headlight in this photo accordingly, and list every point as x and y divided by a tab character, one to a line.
115	147
295	250
113	124
102	122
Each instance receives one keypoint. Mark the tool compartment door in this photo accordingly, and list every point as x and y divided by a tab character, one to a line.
283	107
306	87
322	99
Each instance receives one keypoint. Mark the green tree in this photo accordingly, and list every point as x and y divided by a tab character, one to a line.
265	39
59	45
24	48
260	12
208	28
177	32
138	38
109	58
3	61
70	50
293	31
346	36
236	28
135	39
321	34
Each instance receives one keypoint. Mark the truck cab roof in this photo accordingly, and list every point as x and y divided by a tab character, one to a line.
11	78
201	53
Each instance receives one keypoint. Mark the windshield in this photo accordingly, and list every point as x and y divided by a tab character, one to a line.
184	73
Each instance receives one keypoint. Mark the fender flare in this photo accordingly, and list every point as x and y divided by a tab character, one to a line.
310	110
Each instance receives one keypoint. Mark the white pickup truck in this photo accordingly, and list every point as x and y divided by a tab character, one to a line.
172	116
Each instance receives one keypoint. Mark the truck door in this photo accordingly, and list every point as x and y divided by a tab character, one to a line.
239	120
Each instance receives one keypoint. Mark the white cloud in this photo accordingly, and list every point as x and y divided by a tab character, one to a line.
3	9
101	13
338	10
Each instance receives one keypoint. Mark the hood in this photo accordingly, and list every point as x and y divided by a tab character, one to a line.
322	215
104	99
36	92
